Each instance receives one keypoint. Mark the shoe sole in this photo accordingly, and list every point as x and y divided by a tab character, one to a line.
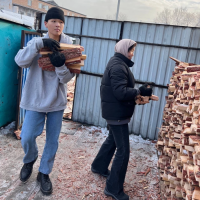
109	194
47	193
96	172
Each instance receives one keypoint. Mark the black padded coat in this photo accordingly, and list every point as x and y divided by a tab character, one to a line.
117	89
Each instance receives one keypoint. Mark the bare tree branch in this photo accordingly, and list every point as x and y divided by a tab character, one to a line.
164	17
179	16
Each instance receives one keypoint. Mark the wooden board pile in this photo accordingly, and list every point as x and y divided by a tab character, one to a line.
179	136
73	54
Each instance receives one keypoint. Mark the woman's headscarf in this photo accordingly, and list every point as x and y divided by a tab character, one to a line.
123	45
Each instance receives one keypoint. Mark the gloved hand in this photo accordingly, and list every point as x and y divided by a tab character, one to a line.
144	91
57	59
51	44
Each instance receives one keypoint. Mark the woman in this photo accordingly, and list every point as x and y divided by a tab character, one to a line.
117	102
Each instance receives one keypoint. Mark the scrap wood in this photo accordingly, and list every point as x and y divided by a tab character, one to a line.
81	157
74	60
140	100
17	134
148	170
154	97
63	46
176	60
179	138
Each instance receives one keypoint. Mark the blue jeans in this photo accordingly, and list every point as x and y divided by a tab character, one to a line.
32	127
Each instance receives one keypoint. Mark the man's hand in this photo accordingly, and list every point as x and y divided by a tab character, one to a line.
145	91
57	59
51	44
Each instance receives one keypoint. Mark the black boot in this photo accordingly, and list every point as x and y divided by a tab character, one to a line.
121	196
26	171
100	173
45	183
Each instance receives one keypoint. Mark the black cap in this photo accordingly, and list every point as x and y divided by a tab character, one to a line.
55	13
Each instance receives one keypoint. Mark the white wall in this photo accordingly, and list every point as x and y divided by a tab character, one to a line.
6	5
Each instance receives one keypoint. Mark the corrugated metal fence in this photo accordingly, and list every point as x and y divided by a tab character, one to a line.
152	64
22	74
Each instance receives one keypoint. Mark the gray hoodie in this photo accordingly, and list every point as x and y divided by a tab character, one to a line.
44	91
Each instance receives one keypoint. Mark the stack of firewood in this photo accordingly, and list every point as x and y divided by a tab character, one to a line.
73	54
179	136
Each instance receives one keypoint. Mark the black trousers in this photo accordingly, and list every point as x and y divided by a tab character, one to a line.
118	138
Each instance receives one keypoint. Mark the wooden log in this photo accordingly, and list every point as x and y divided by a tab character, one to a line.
196	194
193	68
154	98
194	139
76	65
63	46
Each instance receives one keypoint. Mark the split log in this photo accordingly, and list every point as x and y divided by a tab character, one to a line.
154	98
63	46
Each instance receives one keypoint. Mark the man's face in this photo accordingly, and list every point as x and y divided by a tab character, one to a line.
55	26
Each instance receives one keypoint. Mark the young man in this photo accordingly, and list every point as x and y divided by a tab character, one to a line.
43	95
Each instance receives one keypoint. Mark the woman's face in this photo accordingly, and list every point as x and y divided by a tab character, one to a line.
131	53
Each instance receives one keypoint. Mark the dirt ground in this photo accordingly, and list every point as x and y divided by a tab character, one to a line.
71	176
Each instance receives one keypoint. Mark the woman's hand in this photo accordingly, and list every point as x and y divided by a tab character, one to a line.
145	90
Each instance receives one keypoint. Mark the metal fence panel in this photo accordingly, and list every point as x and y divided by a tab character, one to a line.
101	28
148	118
152	63
193	56
156	43
195	38
157	34
145	121
27	36
98	53
87	102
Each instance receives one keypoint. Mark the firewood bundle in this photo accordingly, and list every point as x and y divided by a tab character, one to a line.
179	135
140	100
73	54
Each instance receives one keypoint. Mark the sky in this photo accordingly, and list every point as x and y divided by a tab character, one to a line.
134	10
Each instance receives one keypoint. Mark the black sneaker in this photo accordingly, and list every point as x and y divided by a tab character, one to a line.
121	196
98	172
45	183
26	171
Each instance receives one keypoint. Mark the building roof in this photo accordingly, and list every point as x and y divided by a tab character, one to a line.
52	3
17	18
48	2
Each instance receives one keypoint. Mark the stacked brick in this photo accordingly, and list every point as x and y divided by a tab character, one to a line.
179	135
